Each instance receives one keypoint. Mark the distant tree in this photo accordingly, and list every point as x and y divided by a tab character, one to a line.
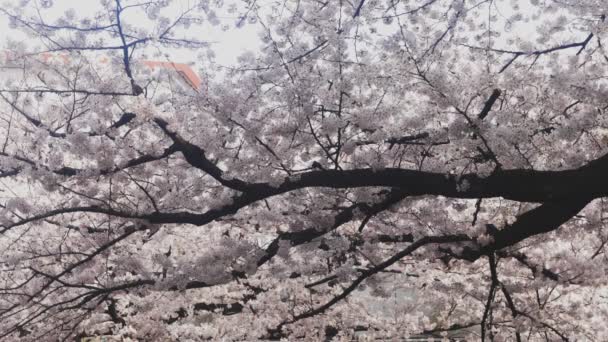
379	169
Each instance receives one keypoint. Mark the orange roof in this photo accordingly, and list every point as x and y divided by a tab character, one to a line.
182	69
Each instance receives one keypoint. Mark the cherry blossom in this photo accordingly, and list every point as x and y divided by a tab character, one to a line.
375	170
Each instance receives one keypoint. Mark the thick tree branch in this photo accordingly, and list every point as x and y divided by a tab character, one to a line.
489	103
346	215
542	219
196	157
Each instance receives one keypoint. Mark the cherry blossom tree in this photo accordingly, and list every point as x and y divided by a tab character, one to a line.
378	169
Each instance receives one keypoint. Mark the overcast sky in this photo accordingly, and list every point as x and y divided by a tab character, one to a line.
227	44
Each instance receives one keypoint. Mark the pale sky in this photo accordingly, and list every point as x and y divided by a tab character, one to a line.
227	44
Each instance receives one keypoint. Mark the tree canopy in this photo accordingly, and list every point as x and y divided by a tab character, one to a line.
376	169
